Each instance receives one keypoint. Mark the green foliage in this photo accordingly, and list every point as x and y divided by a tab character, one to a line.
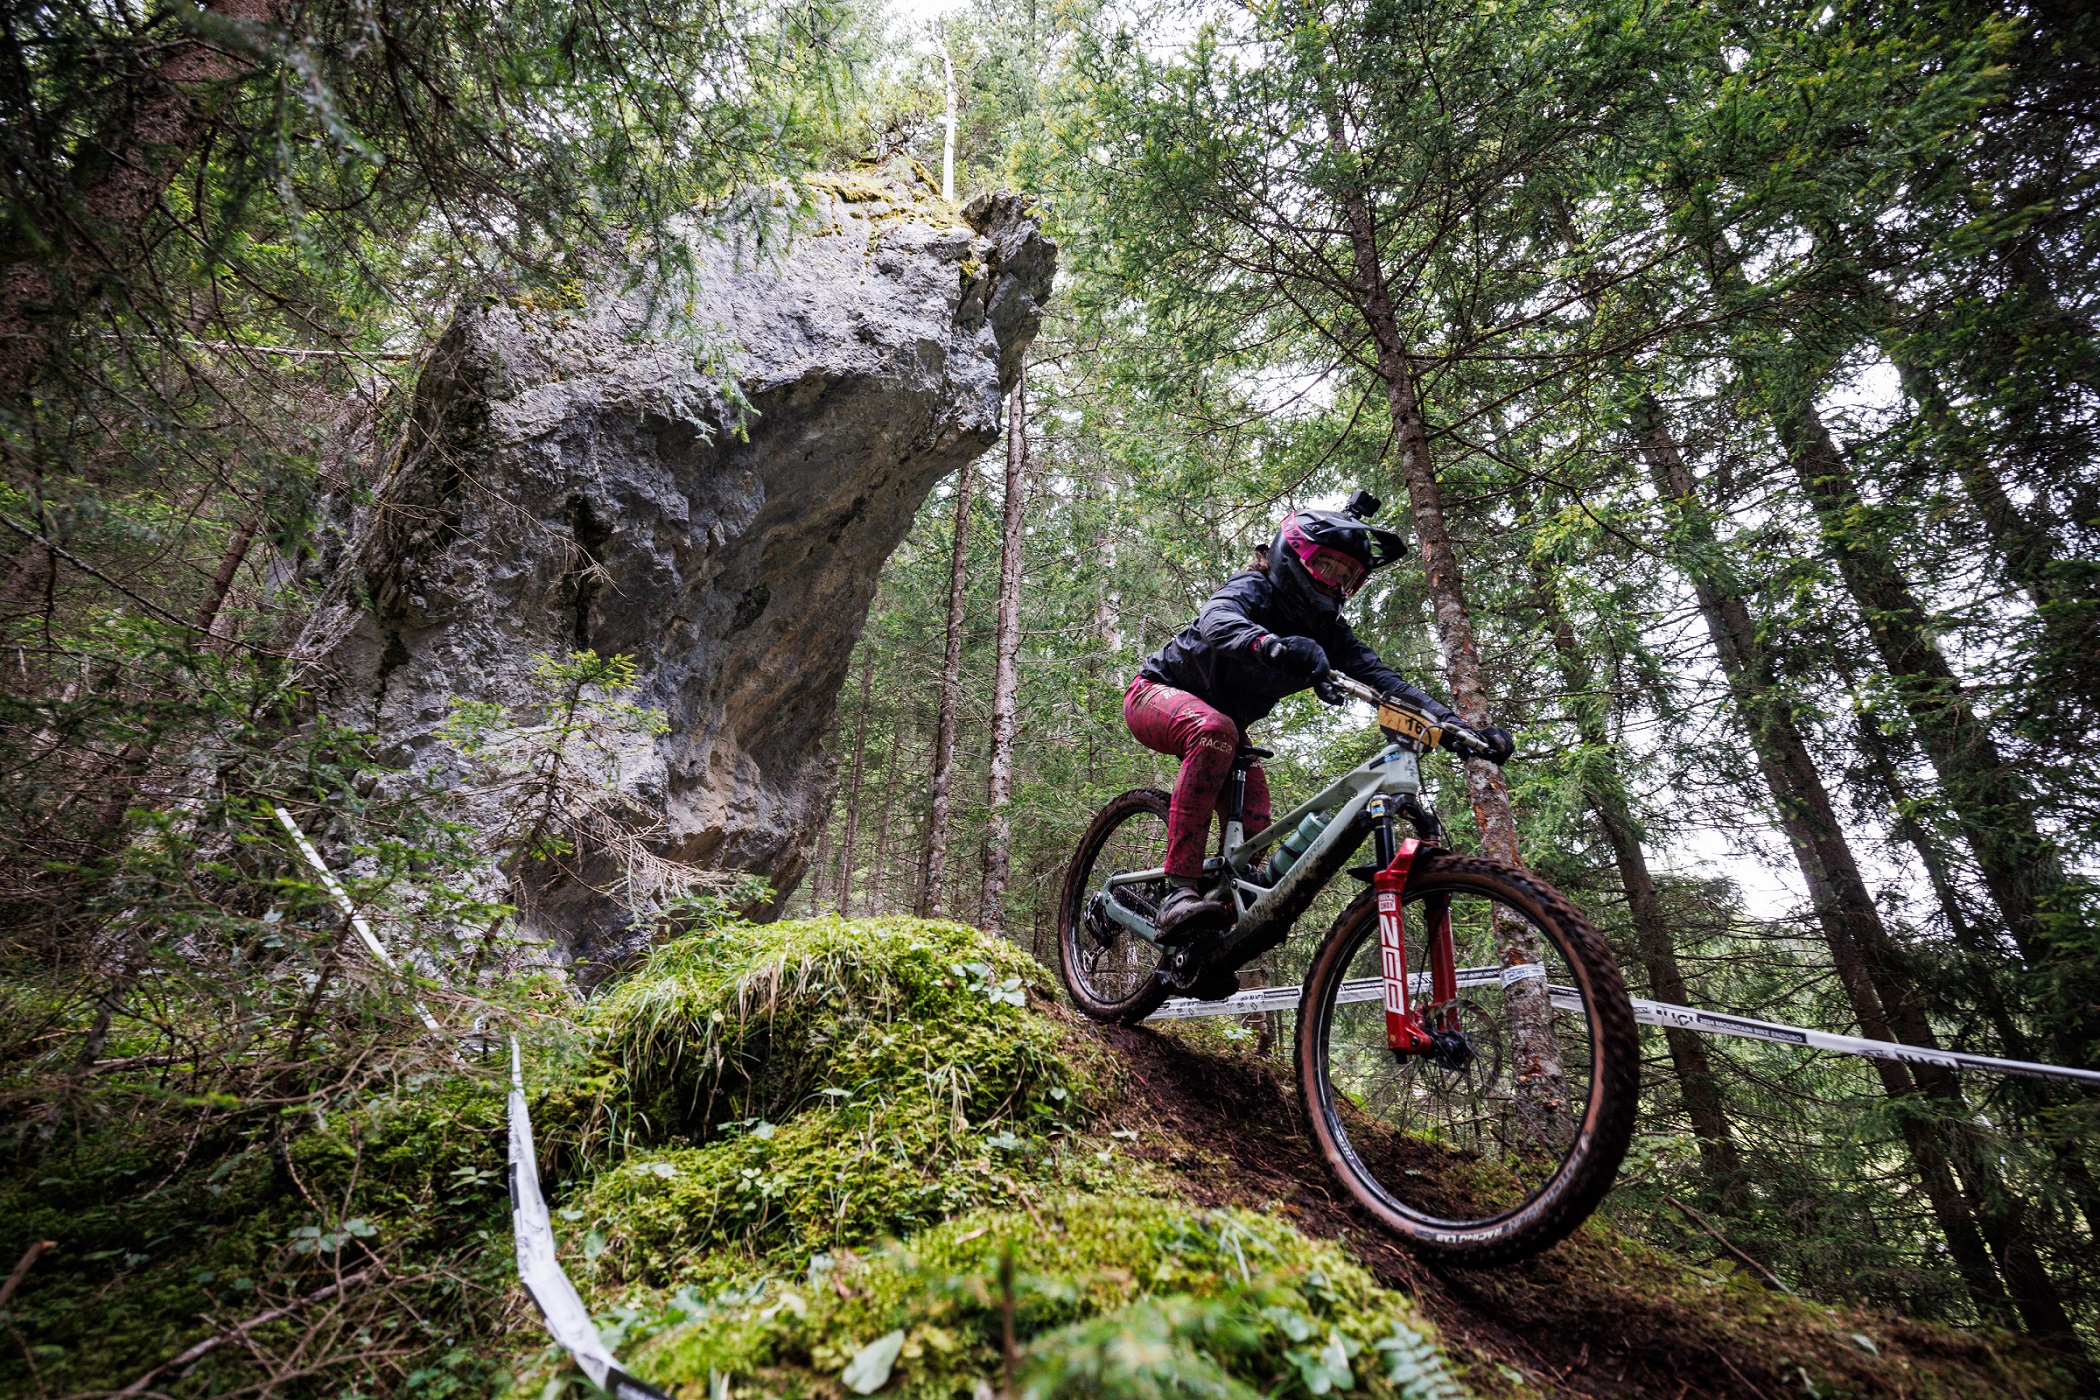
831	1082
403	1189
1109	1296
554	754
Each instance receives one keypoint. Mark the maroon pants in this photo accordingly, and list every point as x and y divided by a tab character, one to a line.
1172	721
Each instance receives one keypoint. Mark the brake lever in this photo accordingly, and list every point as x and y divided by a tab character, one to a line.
1473	745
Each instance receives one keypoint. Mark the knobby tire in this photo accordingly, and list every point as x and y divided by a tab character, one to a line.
1586	1172
1135	811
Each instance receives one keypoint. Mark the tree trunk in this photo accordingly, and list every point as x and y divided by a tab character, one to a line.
2025	551
1606	796
1851	924
1984	961
1984	793
936	858
1538	1072
948	125
1108	605
860	747
816	866
1006	684
222	581
881	868
133	760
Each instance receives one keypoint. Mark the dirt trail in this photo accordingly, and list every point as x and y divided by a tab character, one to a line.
1598	1315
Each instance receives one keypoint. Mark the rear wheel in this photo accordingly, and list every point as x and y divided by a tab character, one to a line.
1472	1154
1108	969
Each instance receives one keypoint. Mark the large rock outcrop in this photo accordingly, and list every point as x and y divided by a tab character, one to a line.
579	477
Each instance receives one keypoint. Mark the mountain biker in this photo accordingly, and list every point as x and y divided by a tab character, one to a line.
1271	631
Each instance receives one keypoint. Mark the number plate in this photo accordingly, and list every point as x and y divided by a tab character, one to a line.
1408	726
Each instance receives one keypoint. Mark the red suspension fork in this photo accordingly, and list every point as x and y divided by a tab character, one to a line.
1404	1029
1443	963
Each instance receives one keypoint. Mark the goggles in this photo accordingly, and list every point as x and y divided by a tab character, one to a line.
1337	574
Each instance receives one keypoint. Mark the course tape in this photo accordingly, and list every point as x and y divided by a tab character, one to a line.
349	908
559	1305
1648	1013
539	1270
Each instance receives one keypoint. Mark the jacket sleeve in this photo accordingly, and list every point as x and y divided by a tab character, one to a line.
1224	622
1348	654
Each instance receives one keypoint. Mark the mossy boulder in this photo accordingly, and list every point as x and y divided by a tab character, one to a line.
1108	1296
844	1156
809	1085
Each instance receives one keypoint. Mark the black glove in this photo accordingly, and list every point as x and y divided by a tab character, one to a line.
1301	656
1490	741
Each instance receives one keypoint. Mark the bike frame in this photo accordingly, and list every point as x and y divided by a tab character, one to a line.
1394	772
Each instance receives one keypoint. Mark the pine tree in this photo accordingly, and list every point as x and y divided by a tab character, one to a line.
934	861
1013	544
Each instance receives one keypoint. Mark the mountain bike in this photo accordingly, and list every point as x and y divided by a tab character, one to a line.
1466	1055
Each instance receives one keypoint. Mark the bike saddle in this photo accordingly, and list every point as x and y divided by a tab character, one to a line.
1251	754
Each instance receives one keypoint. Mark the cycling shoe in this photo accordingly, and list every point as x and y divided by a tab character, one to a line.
1189	915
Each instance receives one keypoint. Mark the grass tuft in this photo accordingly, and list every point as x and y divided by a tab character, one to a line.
818	1084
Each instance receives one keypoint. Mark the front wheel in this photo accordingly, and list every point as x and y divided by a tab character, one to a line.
1109	969
1500	1143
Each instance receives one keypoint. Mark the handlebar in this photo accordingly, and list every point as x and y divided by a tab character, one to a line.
1346	685
1335	687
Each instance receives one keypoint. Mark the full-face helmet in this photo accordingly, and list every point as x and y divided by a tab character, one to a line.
1329	553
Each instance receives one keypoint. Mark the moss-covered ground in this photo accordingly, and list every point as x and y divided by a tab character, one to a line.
802	1086
826	1157
840	1133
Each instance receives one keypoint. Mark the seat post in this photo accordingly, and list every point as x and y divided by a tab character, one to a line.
1246	757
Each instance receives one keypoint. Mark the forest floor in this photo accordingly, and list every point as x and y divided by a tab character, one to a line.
1109	1167
1599	1315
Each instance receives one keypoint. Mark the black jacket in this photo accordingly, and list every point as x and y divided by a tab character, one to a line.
1214	657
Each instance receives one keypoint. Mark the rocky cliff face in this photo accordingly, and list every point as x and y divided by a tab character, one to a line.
573	477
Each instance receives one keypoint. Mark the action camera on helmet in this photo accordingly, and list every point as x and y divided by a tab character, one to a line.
1362	504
